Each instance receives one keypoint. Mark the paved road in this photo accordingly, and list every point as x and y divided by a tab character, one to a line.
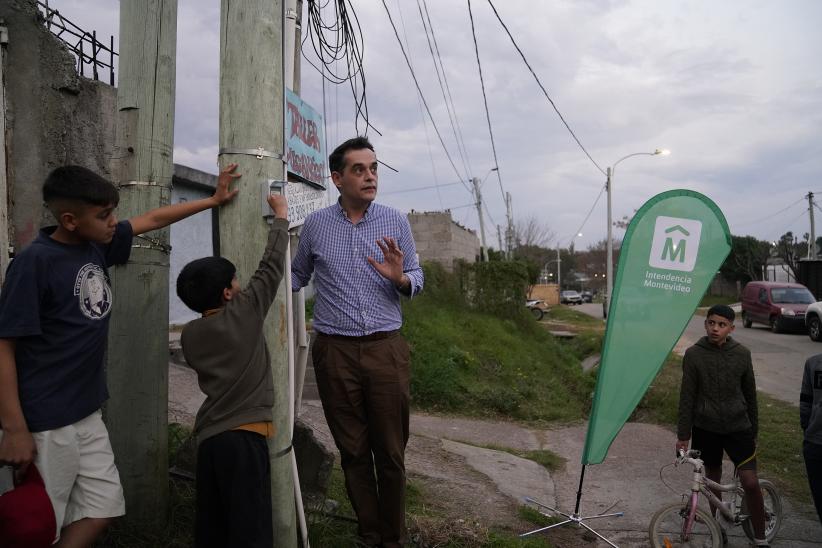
778	359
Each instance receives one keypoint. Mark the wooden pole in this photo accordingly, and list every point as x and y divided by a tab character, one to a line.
4	202
137	413
252	105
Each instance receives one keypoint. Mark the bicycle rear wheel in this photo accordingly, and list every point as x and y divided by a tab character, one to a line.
773	511
666	529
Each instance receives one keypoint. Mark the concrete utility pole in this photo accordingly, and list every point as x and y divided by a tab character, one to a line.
252	109
499	239
559	273
812	241
478	196
509	232
137	413
4	203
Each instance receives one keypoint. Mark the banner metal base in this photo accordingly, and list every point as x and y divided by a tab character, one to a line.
574	518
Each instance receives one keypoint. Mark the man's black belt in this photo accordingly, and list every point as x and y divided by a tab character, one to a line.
376	336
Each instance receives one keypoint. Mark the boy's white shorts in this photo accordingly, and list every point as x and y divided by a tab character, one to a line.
77	466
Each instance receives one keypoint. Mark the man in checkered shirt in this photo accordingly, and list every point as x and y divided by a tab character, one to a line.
363	258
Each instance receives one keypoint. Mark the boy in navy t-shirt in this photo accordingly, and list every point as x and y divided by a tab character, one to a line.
54	313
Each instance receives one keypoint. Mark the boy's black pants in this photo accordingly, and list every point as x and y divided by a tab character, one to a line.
233	492
813	464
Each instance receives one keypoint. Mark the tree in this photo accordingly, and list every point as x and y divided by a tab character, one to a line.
532	232
790	250
625	221
746	260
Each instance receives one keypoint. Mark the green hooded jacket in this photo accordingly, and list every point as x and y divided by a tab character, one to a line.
718	391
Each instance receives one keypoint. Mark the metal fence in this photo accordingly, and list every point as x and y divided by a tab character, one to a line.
90	53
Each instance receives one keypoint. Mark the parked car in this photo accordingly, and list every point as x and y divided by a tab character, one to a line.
587	296
536	307
781	306
813	321
569	296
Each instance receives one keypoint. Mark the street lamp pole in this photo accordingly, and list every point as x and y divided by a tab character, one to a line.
559	273
609	246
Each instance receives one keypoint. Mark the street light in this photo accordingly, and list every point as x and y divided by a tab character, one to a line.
478	196
609	246
559	261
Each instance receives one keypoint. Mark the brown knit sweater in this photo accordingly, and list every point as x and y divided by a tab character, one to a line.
228	351
718	391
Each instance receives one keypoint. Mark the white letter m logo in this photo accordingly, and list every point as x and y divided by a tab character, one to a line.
676	243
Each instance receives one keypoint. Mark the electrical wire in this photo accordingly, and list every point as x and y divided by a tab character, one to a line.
448	105
422	96
422	116
527	64
473	204
420	188
785	230
447	87
339	39
485	100
589	215
487	212
772	215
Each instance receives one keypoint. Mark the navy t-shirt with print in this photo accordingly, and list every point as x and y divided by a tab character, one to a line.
55	303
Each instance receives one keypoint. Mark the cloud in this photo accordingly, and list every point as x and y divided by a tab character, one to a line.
733	89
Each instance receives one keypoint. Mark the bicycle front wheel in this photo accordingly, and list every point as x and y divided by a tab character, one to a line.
773	511
667	529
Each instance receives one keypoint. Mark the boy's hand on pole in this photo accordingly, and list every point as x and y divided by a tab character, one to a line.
279	205
223	192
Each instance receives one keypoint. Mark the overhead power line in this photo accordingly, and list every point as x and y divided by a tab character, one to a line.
527	64
772	215
785	230
422	96
589	214
488	212
420	188
422	115
449	105
485	101
339	39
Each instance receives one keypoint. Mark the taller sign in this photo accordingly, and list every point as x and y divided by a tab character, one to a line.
306	157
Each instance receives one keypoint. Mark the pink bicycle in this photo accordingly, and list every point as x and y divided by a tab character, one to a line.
684	524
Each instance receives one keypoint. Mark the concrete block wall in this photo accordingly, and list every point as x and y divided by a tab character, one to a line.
53	117
440	239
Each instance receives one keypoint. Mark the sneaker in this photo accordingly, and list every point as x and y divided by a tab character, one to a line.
760	543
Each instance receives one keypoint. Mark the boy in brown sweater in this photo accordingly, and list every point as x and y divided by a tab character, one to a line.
226	347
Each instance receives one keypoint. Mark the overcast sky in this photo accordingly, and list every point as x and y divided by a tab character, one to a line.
732	88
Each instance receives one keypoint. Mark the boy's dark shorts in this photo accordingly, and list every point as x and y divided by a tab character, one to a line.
740	447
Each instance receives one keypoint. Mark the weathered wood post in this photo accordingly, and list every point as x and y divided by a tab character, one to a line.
137	413
252	105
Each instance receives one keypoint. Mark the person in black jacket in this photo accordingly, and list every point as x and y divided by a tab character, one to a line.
810	417
718	410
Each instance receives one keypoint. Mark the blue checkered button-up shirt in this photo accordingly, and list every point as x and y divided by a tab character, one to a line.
352	298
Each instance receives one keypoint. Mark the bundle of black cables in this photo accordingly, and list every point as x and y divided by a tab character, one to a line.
338	46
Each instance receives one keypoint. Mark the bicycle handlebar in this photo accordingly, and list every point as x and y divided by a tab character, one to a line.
692	457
